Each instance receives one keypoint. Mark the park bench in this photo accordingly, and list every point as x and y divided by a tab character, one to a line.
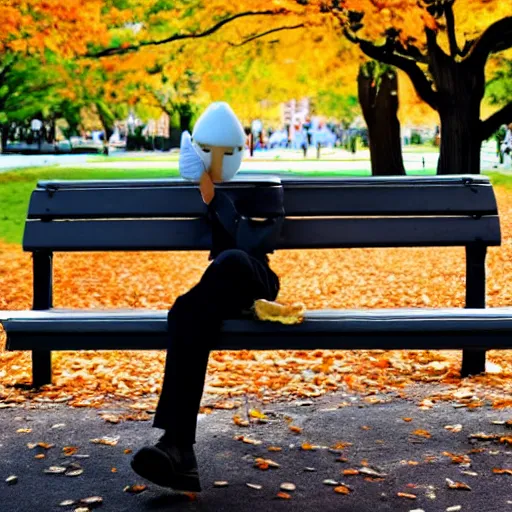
168	215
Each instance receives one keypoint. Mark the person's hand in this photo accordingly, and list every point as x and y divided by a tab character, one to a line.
206	187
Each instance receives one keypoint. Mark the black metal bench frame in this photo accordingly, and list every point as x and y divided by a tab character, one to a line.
168	214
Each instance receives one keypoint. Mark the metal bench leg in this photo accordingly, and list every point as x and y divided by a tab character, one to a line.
473	360
41	367
43	299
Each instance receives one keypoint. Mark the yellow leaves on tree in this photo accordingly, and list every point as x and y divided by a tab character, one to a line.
62	27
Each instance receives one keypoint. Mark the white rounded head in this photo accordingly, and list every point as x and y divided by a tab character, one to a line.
218	126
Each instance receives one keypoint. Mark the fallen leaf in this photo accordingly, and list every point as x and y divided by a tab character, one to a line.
422	433
45	446
74	472
111	418
55	470
341	445
454	428
264	464
135	488
69	450
127	451
248	440
109	441
226	405
254	413
24	430
330	482
457	485
67	503
40	456
295	429
237	420
458	458
342	489
283	495
274	449
261	464
371	472
481	436
499	471
287	486
350	472
93	501
220	483
254	486
11	480
406	495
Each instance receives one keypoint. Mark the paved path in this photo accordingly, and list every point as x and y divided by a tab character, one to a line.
270	161
379	436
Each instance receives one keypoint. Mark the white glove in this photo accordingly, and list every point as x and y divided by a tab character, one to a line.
191	164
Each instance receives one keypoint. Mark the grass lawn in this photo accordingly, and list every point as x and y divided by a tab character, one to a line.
328	155
16	187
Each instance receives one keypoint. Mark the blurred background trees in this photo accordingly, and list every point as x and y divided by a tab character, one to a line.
134	64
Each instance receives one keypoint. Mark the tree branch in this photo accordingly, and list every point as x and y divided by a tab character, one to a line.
263	34
412	52
450	26
492	123
468	46
389	56
496	38
178	37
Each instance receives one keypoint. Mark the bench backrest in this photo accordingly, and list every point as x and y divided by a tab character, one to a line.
168	214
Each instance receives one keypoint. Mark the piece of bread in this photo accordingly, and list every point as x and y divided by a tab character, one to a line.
276	312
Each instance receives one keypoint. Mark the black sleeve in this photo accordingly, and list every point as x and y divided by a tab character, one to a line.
252	236
223	209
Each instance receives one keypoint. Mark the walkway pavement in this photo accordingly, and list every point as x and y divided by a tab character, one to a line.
396	447
269	161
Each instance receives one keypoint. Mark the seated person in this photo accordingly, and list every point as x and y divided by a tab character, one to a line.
238	275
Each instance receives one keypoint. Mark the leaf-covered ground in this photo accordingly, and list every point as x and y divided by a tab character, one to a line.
358	278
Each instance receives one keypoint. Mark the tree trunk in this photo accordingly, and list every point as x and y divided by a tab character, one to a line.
461	89
185	112
108	129
378	96
4	133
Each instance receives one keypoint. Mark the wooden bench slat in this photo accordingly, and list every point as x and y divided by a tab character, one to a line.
297	233
447	328
304	197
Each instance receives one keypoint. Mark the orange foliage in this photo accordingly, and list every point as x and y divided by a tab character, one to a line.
64	28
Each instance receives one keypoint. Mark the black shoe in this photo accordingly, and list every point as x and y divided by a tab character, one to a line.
168	466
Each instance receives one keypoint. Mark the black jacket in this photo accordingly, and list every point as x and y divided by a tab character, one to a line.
232	230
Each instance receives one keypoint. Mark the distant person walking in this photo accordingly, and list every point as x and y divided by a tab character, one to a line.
506	147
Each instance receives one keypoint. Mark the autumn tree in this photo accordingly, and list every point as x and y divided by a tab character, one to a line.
34	35
446	65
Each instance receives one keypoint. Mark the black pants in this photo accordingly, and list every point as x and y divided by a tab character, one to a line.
230	285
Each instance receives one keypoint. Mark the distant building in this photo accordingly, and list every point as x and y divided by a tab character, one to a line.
158	127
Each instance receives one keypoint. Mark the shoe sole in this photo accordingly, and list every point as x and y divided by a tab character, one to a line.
145	465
